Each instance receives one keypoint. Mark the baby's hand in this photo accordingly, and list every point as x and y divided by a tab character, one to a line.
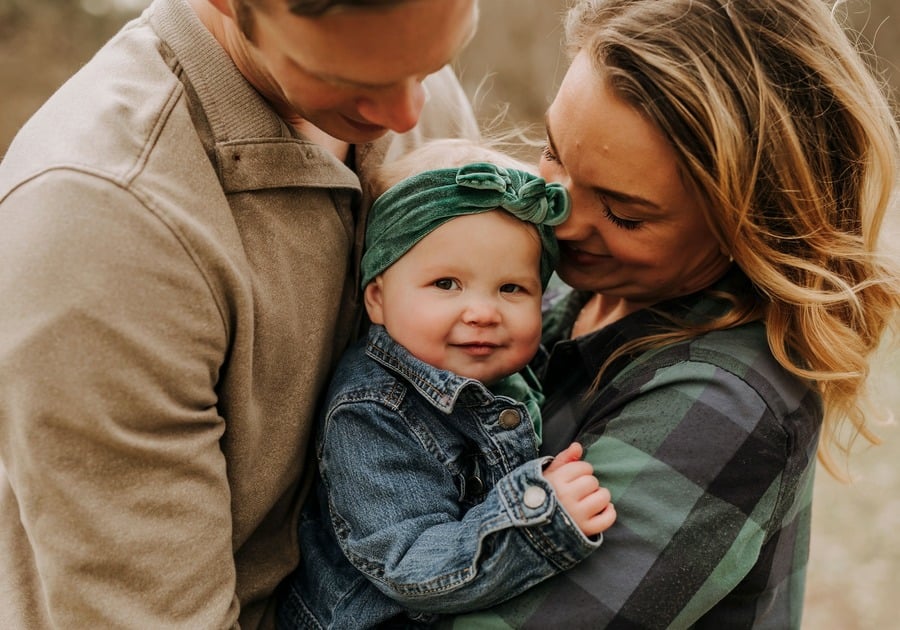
579	492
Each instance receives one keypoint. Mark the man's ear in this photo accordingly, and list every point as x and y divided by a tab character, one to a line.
373	297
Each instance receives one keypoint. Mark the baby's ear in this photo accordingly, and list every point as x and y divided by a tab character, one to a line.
373	296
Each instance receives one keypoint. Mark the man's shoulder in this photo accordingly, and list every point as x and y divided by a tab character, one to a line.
104	118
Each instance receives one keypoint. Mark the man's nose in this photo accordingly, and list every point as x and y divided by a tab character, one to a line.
397	108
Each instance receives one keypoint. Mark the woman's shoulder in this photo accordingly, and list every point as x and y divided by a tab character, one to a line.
738	350
733	367
719	404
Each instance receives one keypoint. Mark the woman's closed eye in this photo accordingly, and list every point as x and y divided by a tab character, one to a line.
548	154
625	224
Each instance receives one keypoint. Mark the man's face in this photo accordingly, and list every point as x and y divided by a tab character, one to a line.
355	73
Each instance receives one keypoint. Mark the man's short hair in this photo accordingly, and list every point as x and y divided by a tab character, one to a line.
318	7
308	8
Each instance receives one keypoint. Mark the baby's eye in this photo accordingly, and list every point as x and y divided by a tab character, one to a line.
512	288
446	284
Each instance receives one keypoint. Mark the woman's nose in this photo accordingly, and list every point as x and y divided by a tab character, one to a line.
578	226
568	230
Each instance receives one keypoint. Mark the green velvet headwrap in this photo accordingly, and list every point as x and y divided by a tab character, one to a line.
410	210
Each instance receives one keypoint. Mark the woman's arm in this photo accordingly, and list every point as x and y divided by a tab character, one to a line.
711	483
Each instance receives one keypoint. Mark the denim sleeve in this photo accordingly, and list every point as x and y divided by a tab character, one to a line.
395	510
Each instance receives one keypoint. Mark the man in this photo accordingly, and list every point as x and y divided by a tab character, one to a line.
179	236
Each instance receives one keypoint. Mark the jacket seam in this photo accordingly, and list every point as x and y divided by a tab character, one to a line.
145	202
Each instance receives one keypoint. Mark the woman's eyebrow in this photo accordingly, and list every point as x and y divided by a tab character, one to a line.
618	195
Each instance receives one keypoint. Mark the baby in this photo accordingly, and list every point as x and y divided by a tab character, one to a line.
432	496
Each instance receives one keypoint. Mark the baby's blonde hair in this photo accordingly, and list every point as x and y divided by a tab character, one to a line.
442	153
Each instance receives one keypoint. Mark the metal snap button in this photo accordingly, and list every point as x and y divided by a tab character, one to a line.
510	418
534	497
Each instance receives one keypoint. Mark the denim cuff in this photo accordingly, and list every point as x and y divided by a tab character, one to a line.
532	506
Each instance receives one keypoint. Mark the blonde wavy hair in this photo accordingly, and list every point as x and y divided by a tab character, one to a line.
777	120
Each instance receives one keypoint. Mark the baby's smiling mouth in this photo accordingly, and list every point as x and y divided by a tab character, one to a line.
477	348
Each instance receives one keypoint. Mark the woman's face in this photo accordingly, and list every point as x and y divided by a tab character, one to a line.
637	230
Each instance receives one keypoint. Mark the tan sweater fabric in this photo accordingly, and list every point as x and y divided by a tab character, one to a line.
176	282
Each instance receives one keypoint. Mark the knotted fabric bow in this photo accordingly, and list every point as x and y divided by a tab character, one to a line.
410	210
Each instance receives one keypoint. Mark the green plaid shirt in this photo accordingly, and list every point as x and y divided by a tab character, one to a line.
708	448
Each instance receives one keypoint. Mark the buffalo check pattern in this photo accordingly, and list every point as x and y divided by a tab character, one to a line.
708	447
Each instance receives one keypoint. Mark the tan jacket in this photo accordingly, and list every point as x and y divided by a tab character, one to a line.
174	291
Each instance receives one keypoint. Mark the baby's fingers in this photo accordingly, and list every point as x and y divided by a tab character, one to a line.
599	523
571	453
581	485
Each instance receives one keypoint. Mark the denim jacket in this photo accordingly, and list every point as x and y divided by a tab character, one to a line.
432	491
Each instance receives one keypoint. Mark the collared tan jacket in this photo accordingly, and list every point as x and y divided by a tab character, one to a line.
177	279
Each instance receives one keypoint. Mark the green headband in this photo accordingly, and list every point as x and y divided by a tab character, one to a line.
410	210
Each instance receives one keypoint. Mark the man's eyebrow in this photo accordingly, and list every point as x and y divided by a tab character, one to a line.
617	195
363	85
357	84
343	81
380	86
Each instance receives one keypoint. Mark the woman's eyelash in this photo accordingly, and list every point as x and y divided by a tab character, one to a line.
625	224
618	221
548	154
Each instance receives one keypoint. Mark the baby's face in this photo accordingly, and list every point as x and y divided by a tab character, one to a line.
467	297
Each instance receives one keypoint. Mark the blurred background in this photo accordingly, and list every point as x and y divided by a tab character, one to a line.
511	70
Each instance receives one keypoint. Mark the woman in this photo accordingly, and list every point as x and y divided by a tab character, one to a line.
729	164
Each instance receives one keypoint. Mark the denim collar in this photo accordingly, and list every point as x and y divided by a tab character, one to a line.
441	388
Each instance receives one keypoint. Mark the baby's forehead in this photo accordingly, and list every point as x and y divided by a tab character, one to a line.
499	218
485	231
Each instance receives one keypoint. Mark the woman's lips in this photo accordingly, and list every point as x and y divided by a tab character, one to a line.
576	256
